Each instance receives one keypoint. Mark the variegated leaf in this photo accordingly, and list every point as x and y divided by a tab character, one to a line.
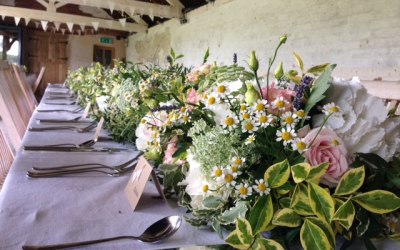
267	244
326	228
316	172
345	214
234	241
300	172
378	201
351	181
313	237
300	201
261	214
277	174
286	217
321	202
244	231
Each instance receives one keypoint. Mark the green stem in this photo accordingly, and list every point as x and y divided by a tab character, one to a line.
271	61
320	128
259	85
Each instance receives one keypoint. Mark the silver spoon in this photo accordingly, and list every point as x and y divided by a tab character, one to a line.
159	230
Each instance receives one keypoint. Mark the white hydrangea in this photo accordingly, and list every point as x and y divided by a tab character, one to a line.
363	126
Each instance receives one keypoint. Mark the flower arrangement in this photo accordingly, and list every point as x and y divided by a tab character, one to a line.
302	157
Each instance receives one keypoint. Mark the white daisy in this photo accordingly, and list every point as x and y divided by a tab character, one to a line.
261	187
211	100
280	103
289	119
299	145
250	139
217	172
245	115
287	135
222	89
249	126
331	108
243	190
230	122
263	120
228	177
260	106
238	161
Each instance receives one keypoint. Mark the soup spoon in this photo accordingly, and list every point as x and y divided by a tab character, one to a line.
158	231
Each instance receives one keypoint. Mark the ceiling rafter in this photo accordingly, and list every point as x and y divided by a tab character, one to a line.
76	19
132	7
176	4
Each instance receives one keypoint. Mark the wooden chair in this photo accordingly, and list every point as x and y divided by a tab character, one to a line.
39	79
24	86
6	157
15	112
387	90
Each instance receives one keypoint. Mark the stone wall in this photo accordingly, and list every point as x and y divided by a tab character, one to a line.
362	37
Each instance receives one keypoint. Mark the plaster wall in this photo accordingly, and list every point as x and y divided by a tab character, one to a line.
80	49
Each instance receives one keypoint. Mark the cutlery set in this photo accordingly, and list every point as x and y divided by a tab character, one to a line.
84	147
114	171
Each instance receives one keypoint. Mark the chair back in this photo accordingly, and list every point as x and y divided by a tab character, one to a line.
24	86
39	79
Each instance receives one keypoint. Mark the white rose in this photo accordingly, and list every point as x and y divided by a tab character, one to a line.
102	102
363	125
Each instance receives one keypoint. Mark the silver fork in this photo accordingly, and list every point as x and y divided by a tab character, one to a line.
83	168
77	110
73	128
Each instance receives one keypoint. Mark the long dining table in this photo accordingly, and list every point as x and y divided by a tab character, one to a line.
80	207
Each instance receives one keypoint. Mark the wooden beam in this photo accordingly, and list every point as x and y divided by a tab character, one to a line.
143	8
176	4
139	20
44	3
64	18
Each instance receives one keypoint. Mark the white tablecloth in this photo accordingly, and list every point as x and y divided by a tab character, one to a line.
87	206
80	207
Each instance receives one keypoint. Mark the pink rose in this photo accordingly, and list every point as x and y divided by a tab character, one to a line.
327	147
193	76
274	93
170	151
192	97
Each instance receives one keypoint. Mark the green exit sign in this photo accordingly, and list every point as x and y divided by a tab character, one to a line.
106	40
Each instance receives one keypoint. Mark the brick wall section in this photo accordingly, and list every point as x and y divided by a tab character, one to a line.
362	37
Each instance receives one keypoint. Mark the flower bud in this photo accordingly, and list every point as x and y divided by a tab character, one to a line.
283	39
279	71
251	95
253	62
153	154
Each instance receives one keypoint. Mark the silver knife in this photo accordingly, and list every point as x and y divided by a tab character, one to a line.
74	149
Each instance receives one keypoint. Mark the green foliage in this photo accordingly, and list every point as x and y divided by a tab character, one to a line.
321	85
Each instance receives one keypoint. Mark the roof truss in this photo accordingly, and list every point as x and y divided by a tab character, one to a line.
53	16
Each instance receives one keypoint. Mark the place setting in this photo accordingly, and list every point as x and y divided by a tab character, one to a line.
83	147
